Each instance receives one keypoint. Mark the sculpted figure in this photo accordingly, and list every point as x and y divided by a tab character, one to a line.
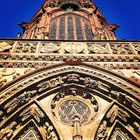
23	98
1	113
120	49
89	82
73	77
123	115
103	86
99	34
8	131
137	127
112	114
115	94
133	102
102	131
35	111
3	82
49	131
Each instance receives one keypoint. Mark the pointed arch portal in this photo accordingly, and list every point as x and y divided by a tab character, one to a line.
42	103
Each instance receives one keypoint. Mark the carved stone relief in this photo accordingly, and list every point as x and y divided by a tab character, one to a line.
74	48
76	100
8	131
5	47
137	47
111	126
71	108
20	100
30	135
99	34
118	134
121	49
32	111
9	74
49	48
98	49
25	47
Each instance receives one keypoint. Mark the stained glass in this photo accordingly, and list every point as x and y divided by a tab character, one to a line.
88	32
62	28
79	29
53	32
70	28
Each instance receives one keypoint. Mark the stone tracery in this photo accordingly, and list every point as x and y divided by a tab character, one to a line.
116	112
40	97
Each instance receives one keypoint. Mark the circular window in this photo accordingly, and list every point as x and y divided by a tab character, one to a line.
71	104
69	109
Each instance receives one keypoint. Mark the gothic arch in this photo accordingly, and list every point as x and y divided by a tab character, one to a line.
97	90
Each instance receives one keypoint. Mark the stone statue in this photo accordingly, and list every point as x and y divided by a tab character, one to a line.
99	34
20	100
34	111
135	104
123	115
112	114
7	132
49	131
102	131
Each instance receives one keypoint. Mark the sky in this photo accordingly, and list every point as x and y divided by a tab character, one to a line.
126	13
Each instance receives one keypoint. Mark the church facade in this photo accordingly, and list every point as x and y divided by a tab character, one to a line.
69	78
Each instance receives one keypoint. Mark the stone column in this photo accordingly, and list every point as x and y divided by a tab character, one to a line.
77	130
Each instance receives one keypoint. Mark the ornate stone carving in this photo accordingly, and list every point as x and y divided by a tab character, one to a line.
102	131
49	131
25	47
73	103
3	82
137	127
20	100
74	48
29	131
127	100
50	83
34	111
7	75
123	115
121	49
73	77
98	49
112	114
4	46
137	48
118	134
71	108
99	34
7	72
30	135
7	132
49	48
89	82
